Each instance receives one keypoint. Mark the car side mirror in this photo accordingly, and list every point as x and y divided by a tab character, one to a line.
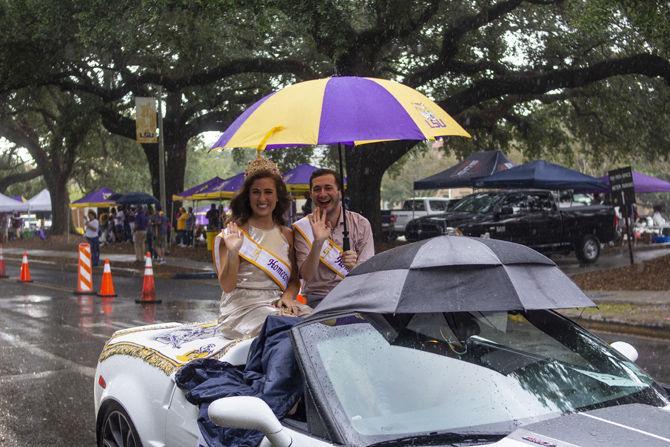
626	349
249	413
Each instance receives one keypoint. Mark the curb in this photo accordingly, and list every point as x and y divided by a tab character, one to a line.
195	275
121	271
619	327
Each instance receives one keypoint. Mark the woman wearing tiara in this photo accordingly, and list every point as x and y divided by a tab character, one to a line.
254	256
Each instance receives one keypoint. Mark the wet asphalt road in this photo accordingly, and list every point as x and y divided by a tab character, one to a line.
50	340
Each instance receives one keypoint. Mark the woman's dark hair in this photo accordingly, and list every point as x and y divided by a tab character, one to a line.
241	207
91	212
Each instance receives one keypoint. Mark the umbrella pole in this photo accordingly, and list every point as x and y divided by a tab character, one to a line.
345	239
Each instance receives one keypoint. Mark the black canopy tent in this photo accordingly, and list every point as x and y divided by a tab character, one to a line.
477	165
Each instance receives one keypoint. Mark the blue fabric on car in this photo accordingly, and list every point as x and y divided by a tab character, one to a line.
271	373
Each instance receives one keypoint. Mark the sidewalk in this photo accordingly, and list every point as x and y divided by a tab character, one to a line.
121	263
635	312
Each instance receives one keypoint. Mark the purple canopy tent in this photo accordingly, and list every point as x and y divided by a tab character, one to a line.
297	179
643	183
204	186
100	198
224	190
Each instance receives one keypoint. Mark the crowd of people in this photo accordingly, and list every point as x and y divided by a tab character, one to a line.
10	226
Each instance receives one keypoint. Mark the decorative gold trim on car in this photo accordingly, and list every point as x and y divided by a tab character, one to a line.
147	355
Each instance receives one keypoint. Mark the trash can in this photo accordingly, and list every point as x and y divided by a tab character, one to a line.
210	240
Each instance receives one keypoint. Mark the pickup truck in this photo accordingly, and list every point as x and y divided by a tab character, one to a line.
529	217
418	207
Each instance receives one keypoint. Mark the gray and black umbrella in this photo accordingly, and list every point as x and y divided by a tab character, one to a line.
454	274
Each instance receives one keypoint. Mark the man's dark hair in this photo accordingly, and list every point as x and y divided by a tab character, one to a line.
324	171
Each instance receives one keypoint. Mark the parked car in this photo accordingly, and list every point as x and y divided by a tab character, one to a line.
529	217
418	207
434	371
388	222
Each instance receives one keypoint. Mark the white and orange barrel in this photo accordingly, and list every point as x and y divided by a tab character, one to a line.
84	271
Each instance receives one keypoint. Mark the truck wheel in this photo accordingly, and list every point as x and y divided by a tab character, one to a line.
588	249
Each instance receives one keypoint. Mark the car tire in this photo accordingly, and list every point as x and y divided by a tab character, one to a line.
116	428
588	249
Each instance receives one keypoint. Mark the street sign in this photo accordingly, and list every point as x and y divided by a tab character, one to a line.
623	196
623	190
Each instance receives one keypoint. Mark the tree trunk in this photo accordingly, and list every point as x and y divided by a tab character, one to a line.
365	167
60	201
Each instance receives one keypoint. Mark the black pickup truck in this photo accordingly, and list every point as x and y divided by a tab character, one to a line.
529	217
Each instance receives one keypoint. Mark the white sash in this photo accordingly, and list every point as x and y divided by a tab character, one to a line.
251	251
331	253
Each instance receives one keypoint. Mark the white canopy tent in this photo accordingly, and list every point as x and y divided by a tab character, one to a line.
9	205
41	202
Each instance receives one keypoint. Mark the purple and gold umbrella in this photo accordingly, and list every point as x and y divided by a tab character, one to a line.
343	110
340	110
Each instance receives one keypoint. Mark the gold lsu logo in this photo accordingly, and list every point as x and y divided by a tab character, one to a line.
428	116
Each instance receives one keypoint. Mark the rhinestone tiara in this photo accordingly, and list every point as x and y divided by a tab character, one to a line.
261	164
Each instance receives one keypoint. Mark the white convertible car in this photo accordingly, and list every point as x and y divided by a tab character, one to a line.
385	365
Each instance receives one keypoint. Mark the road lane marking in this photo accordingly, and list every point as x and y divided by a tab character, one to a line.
66	363
628	427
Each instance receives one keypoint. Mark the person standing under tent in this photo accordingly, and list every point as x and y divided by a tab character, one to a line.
319	235
92	235
160	229
190	227
140	234
213	217
181	227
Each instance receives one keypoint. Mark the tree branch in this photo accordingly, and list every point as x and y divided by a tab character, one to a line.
538	83
9	180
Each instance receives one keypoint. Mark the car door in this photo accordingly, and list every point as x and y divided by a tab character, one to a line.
544	220
511	222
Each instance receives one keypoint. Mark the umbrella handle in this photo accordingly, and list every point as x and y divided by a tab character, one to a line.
345	241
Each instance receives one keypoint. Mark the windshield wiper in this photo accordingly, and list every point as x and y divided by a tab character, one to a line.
442	438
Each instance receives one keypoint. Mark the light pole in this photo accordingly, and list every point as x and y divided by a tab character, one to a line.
161	151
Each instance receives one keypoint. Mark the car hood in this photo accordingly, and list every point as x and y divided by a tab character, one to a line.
619	426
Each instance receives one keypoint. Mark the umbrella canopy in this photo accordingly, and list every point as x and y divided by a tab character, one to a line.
643	183
339	110
100	198
224	190
9	205
41	202
297	179
204	186
542	174
478	165
137	198
454	274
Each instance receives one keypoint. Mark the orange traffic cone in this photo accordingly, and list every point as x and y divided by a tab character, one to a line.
148	287
107	285
3	272
25	269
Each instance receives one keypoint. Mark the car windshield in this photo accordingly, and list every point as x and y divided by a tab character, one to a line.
477	203
407	374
